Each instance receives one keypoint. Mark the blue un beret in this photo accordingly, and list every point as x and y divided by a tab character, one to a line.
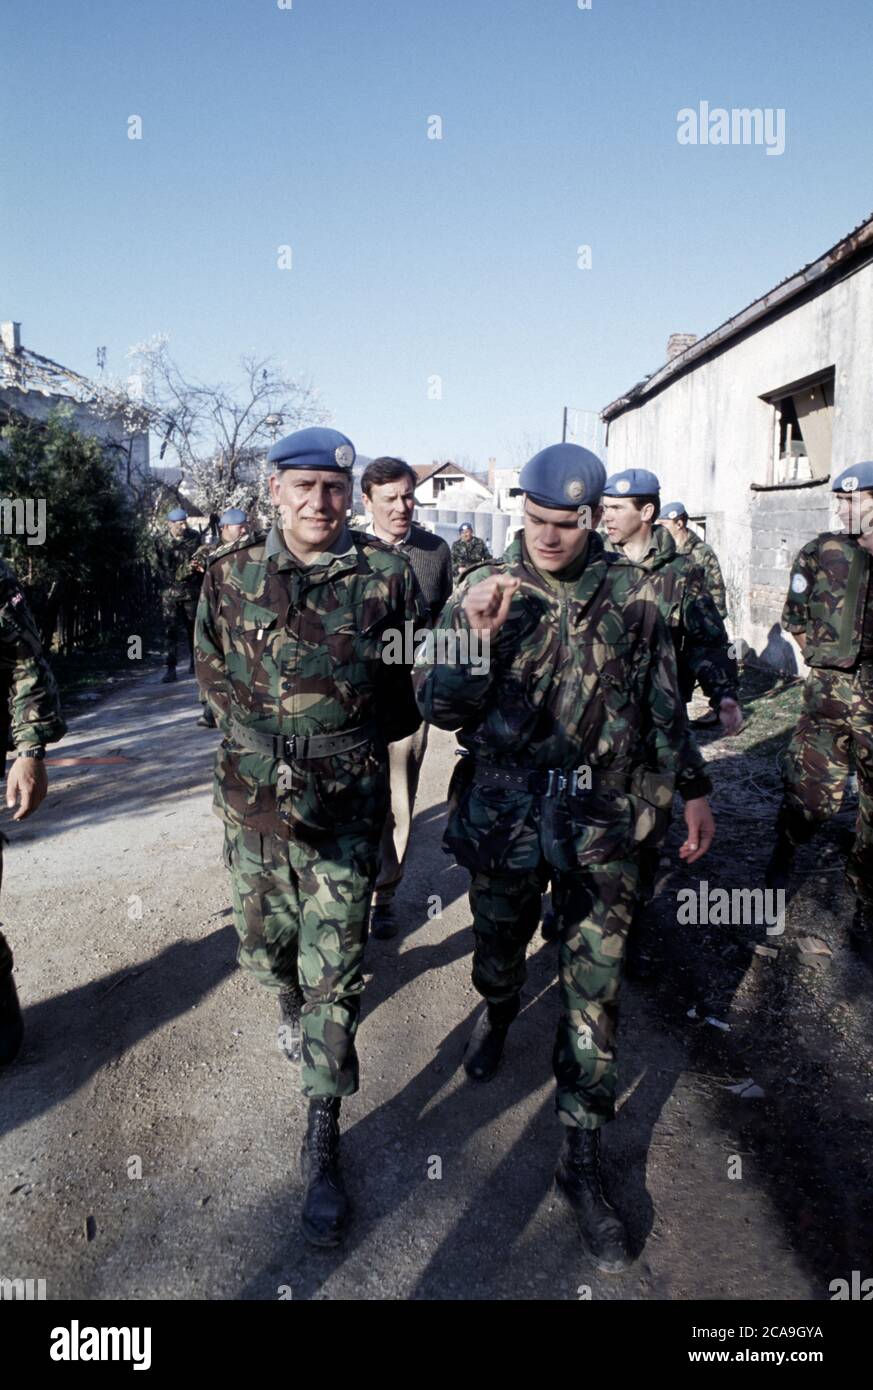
859	476
314	448
232	517
670	511
562	477
177	514
633	482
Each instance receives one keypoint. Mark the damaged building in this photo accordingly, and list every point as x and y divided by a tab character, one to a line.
748	424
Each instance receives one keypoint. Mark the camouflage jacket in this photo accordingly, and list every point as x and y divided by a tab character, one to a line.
173	558
30	708
704	556
582	674
687	607
467	553
827	596
292	649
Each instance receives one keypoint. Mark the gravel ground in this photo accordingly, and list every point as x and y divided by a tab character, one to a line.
149	1132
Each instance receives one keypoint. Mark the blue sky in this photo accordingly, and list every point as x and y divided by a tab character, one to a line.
413	257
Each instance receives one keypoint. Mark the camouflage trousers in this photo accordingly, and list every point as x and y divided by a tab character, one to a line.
302	914
178	614
834	730
594	907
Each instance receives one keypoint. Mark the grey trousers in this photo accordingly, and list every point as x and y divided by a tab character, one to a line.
404	766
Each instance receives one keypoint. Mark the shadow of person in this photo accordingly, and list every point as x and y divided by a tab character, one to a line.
438	1114
70	1036
779	652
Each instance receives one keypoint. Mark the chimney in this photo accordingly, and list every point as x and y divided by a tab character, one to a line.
677	343
492	465
10	335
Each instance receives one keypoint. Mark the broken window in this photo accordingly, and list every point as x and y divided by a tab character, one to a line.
802	430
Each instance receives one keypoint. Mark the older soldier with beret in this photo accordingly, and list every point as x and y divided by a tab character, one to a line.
829	613
30	710
289	647
574	739
180	582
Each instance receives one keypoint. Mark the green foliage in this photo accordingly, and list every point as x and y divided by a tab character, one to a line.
92	537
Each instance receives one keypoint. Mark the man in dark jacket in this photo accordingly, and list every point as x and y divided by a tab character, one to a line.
388	487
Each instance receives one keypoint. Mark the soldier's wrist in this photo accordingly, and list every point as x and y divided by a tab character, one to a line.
37	751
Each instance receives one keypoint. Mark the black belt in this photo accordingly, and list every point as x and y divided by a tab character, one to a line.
552	781
296	746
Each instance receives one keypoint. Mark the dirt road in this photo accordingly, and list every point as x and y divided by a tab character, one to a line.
149	1132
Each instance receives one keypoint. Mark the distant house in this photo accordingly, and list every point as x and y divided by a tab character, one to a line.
748	424
32	386
449	485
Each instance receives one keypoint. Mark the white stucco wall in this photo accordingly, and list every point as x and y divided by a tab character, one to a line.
708	435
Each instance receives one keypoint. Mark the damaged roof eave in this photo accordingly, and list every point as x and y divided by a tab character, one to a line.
859	240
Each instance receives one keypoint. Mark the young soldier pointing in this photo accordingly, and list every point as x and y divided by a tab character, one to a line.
575	736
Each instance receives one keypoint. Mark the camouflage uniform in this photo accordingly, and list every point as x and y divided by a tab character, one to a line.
830	599
180	588
704	556
296	651
467	553
30	706
582	674
699	639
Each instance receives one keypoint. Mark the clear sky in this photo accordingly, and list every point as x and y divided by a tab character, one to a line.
415	257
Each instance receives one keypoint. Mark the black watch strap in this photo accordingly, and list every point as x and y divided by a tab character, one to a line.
32	752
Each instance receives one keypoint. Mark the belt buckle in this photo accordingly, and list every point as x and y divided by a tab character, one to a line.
291	746
556	782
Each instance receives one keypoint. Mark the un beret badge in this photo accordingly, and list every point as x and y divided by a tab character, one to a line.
345	455
849	484
574	489
622	486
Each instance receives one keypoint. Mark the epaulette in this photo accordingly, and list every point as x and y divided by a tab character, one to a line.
241	543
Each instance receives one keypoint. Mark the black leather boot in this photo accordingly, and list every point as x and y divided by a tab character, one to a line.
11	1024
290	1031
577	1176
383	923
778	870
207	719
326	1206
487	1040
169	675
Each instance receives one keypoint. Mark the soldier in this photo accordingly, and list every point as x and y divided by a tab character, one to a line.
468	550
674	517
388	487
630	505
829	613
571	731
180	586
233	522
30	710
289	645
